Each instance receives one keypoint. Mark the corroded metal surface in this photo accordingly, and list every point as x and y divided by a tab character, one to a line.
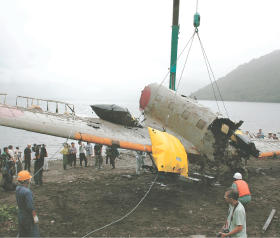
69	125
195	125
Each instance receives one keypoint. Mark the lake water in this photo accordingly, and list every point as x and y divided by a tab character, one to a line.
254	115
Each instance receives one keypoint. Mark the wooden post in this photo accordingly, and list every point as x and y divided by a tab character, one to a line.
269	219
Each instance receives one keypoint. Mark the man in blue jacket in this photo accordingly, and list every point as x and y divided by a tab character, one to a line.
27	218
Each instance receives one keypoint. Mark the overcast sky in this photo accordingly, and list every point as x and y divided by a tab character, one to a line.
113	48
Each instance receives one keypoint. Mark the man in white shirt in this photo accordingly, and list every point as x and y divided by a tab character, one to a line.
82	153
236	220
11	152
89	152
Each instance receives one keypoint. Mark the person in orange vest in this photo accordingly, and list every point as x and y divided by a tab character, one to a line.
242	187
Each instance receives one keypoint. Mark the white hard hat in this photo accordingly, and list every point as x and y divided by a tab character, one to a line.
237	176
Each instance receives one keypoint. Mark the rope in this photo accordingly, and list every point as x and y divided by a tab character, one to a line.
209	75
192	38
126	215
181	53
175	94
214	78
168	72
196	5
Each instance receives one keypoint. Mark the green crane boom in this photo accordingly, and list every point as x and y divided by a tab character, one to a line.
174	44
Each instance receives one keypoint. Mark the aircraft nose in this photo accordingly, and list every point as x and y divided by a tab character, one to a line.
145	97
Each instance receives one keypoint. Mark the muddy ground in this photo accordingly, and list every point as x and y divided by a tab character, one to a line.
74	202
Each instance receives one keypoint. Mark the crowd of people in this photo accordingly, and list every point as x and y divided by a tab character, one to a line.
13	164
88	154
93	156
260	135
12	161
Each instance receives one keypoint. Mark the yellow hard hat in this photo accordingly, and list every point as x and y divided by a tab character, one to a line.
24	175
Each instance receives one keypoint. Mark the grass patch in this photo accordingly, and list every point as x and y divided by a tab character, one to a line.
8	213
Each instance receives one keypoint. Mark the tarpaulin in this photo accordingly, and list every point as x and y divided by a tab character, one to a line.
168	152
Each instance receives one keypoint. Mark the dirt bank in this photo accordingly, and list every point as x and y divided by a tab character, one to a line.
77	201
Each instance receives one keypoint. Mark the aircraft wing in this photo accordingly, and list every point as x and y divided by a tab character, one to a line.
267	148
73	127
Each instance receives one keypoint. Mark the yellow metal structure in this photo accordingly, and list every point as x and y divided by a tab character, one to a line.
168	152
237	132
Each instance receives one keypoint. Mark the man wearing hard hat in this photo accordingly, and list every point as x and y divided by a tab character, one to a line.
242	187
27	218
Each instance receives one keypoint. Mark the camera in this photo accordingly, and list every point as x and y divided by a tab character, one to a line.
223	231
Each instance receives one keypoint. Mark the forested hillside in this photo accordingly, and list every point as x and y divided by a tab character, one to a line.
255	81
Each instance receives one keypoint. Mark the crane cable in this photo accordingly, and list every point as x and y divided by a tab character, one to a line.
175	94
126	215
214	78
189	42
196	24
211	75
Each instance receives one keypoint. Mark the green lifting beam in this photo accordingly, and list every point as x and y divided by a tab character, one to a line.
174	44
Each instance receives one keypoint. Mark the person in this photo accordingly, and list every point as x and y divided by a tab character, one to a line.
107	154
242	187
73	154
98	155
139	161
65	153
44	155
82	153
112	152
11	152
89	152
248	134
18	160
38	165
33	151
17	153
7	171
27	157
12	159
274	137
27	217
260	134
235	225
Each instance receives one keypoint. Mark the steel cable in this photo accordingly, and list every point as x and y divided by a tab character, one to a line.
214	78
126	215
